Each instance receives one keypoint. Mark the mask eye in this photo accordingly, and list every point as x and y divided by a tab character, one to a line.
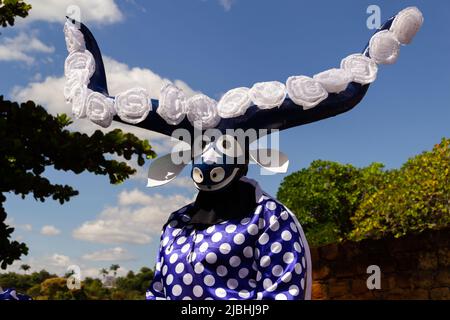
217	174
197	175
229	146
205	144
200	146
226	145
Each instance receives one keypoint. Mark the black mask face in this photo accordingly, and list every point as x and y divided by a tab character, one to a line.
221	162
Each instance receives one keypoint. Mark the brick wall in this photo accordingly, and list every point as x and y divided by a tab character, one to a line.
412	267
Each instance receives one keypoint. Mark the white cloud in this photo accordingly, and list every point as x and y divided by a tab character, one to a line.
226	4
21	47
137	218
59	260
185	183
58	264
95	272
100	11
27	227
49	93
121	77
54	263
50	231
113	254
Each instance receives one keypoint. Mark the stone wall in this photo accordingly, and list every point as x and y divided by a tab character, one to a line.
412	267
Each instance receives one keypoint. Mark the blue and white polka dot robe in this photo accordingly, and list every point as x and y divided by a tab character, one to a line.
261	256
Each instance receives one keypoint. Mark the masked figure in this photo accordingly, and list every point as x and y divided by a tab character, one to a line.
11	294
234	241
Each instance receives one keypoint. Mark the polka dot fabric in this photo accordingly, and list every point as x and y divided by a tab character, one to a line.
261	256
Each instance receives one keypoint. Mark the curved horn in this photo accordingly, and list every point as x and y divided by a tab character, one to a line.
270	105
331	93
85	68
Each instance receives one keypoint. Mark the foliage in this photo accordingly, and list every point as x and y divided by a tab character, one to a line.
114	268
10	9
103	272
416	200
25	267
325	195
45	286
56	289
33	140
24	282
137	283
335	201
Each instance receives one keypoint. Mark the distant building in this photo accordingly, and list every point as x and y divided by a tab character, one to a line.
109	282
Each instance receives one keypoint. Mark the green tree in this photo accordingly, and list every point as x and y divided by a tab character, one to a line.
114	268
45	286
24	282
416	198
10	9
25	267
135	282
69	273
325	195
33	140
56	289
103	272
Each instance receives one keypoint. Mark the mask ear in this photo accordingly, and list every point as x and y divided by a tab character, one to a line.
163	170
270	159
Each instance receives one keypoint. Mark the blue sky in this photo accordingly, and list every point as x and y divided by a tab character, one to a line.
213	46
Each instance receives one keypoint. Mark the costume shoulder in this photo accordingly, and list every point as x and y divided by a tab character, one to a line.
11	294
269	207
180	215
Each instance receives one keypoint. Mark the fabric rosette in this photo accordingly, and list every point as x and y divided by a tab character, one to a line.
74	79
74	38
363	69
132	106
100	109
79	62
202	112
234	103
80	94
268	95
406	24
384	48
172	104
305	91
334	80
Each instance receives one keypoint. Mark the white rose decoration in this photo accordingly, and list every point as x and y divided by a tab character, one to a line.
79	62
80	94
202	112
334	80
234	103
268	95
384	48
100	109
406	24
74	38
76	78
132	106
172	104
363	69
305	91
